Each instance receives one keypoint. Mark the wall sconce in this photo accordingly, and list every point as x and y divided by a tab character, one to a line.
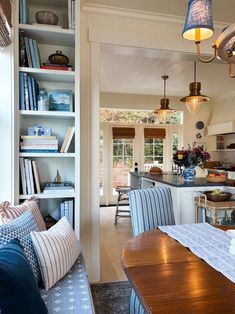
199	26
164	111
194	100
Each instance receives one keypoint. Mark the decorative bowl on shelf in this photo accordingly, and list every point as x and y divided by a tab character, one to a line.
223	197
58	58
46	17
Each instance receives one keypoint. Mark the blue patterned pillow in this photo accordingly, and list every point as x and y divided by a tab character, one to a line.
18	289
20	228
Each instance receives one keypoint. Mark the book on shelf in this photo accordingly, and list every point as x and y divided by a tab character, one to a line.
28	55
31	176
22	49
55	191
60	67
28	184
71	14
67	140
56	184
37	56
36	177
23	176
38	137
30	181
67	210
39	143
24	11
40	151
28	89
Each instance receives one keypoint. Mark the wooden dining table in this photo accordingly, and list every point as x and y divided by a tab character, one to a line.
168	278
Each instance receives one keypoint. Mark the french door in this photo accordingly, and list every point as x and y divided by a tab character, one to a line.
119	155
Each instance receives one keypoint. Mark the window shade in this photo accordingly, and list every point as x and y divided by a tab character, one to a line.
154	133
123	132
5	22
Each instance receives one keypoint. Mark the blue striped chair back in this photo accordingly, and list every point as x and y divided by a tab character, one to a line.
150	208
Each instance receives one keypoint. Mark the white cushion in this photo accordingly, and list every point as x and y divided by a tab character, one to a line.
57	250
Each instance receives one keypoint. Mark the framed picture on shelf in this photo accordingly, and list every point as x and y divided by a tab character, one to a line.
60	100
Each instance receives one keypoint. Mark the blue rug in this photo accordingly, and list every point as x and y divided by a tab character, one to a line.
111	297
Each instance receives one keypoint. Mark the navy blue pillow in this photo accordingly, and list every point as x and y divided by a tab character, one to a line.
19	293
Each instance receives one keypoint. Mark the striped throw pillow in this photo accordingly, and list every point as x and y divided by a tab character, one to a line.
57	250
8	212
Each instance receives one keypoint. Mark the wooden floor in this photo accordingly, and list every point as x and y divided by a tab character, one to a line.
112	240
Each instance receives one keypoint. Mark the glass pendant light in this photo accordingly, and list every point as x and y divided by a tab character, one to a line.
164	111
194	100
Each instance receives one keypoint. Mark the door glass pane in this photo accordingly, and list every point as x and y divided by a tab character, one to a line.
122	162
175	141
153	153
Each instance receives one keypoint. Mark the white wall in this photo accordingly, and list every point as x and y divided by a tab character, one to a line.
6	125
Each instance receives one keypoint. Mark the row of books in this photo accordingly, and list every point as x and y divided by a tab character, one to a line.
29	52
53	66
67	210
52	187
29	174
29	91
34	143
45	143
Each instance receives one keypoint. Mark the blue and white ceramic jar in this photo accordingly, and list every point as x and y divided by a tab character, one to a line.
189	173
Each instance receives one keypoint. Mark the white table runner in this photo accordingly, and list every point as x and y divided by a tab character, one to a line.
209	243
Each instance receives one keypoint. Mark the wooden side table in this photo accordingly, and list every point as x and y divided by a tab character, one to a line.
202	202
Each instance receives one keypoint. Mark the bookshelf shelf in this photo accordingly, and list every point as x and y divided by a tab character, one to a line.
48	114
48	195
50	75
49	35
52	155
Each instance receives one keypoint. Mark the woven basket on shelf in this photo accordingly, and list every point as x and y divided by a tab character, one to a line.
217	198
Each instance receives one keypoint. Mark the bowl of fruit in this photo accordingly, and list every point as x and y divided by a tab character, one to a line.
217	195
217	177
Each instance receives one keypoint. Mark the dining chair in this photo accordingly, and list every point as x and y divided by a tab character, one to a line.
149	208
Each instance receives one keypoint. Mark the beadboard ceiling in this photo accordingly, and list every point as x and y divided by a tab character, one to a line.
139	71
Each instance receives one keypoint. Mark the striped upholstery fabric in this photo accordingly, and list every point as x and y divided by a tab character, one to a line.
8	212
149	209
57	250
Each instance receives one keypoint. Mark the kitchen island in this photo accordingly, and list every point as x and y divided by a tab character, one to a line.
183	193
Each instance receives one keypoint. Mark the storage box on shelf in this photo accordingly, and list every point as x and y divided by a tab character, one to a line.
35	44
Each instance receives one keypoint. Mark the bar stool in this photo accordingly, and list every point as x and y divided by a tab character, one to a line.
122	191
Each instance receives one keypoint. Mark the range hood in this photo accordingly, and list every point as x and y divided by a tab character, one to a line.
221	128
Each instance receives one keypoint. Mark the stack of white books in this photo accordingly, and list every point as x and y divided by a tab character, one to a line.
38	144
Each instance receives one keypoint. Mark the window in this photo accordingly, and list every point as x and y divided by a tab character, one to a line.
122	161
153	153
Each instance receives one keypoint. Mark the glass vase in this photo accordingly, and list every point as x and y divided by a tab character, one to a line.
189	173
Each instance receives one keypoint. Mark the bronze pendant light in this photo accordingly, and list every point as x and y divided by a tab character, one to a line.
164	110
194	100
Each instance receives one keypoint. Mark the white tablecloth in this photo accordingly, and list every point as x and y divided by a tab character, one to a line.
209	243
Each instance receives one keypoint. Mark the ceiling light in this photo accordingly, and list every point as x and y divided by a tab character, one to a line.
164	111
199	26
194	100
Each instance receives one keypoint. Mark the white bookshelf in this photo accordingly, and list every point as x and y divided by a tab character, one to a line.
49	40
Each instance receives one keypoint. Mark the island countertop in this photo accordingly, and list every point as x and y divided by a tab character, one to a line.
175	180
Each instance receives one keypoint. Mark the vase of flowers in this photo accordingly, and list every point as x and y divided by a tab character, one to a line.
189	159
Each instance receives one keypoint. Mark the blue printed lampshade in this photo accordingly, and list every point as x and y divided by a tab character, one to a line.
198	24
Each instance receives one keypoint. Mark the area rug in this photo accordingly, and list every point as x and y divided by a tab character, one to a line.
111	297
